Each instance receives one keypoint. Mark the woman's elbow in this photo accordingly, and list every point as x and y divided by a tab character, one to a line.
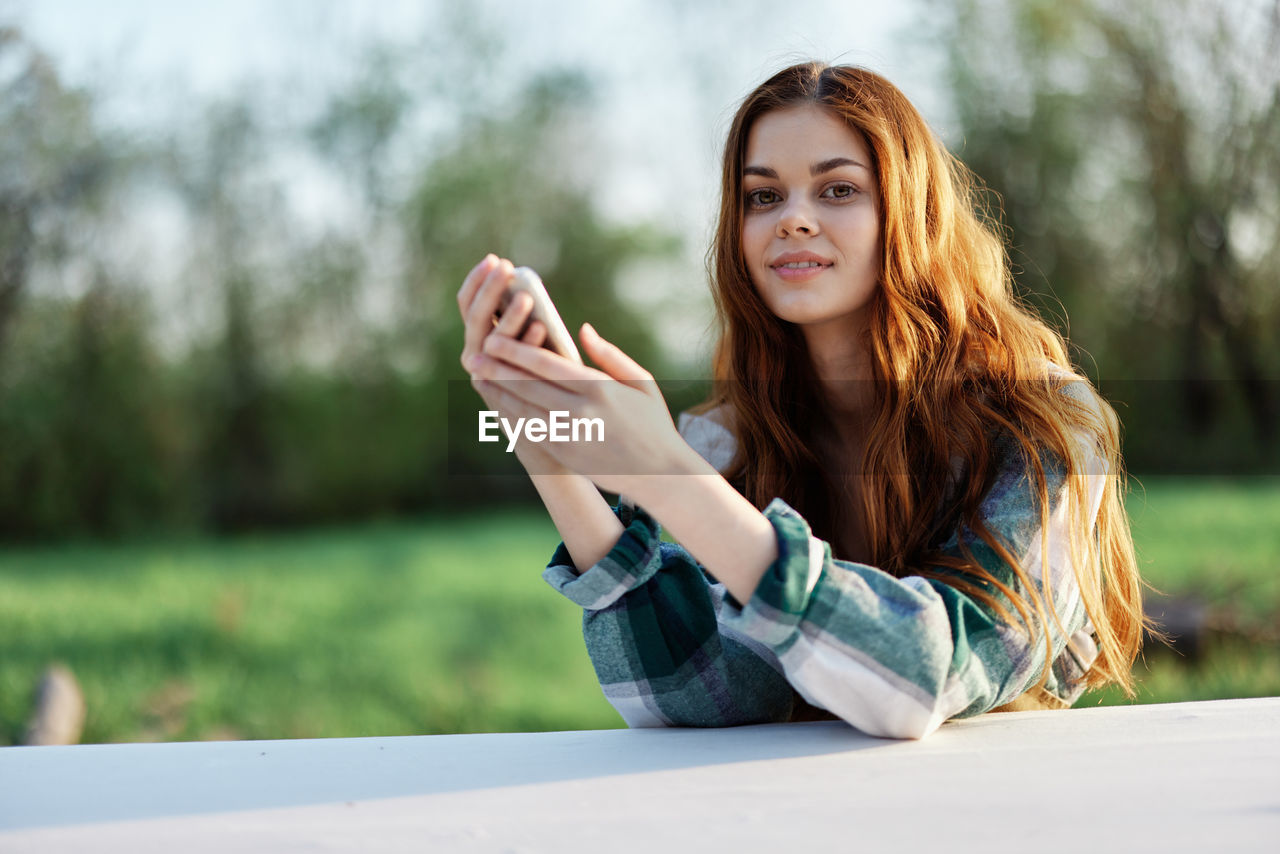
898	717
911	728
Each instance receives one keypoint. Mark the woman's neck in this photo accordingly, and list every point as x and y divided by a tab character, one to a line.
842	363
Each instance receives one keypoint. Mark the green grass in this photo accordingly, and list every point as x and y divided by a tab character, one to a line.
1216	538
1228	668
446	625
1218	541
443	626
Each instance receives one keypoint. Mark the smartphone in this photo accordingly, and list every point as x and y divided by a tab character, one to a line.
558	338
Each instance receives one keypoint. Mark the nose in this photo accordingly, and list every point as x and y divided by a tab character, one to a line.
797	218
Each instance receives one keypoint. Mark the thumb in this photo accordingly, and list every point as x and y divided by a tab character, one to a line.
612	360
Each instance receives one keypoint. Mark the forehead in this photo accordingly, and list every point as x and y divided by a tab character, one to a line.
803	135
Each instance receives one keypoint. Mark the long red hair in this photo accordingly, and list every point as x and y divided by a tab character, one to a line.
957	361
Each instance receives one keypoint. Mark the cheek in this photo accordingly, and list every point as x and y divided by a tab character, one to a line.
755	231
859	223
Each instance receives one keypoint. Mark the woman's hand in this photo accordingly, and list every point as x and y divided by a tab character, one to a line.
524	380
638	437
478	301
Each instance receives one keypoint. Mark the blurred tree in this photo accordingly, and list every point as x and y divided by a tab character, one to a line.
1134	145
358	125
234	211
308	354
52	159
86	439
83	417
112	386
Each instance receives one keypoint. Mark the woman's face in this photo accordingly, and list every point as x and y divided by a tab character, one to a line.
811	220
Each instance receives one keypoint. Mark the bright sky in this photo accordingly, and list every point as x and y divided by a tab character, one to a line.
643	53
670	71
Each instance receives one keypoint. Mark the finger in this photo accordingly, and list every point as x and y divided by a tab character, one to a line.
535	335
498	398
532	390
472	336
514	316
613	361
540	362
472	282
480	312
485	390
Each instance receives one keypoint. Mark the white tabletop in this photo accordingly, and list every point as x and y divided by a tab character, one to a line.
1178	777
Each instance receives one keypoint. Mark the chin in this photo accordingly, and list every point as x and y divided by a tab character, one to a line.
805	315
814	315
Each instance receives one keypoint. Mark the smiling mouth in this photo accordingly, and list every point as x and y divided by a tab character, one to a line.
799	272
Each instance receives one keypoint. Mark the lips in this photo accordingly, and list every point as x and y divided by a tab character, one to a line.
799	266
799	261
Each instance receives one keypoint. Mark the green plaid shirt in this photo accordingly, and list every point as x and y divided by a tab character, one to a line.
892	656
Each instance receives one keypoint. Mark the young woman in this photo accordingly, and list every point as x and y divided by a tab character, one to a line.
900	506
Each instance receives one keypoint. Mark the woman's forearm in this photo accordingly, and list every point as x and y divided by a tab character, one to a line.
713	521
584	519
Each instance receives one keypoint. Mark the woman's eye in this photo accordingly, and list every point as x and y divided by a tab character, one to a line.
840	191
762	198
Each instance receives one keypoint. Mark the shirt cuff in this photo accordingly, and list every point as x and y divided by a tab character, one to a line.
634	559
773	614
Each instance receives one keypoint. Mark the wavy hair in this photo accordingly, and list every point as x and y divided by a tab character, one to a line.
959	364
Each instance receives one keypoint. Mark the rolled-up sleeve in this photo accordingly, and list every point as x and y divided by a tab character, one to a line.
651	622
893	656
897	656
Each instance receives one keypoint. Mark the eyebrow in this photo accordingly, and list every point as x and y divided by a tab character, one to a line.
814	170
